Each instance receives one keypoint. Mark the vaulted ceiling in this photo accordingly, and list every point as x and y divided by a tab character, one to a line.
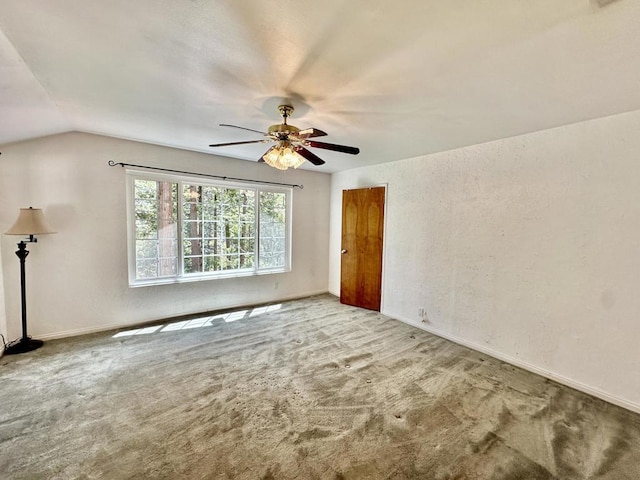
397	79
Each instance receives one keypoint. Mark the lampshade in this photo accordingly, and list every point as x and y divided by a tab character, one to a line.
283	156
30	222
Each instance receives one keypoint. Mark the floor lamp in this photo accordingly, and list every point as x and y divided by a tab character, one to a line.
30	222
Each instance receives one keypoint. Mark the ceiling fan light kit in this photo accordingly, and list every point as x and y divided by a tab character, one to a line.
290	150
283	156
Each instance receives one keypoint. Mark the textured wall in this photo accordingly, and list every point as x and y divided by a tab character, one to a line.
77	278
527	248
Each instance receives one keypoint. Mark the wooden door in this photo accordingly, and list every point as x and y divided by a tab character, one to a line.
361	259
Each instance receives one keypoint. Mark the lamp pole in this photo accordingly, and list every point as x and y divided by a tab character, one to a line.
22	253
26	343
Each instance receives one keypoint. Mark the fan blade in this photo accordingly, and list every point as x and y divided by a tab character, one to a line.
333	146
311	132
312	157
243	128
236	143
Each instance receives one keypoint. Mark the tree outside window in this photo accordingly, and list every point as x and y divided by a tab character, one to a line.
184	229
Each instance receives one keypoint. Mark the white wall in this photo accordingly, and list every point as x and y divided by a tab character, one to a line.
527	248
77	278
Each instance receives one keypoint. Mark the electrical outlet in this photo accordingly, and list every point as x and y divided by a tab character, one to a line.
421	312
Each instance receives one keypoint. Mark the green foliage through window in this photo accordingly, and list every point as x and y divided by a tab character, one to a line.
184	229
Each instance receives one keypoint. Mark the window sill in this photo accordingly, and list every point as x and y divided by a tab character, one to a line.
202	278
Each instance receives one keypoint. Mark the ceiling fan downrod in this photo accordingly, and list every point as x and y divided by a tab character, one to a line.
285	111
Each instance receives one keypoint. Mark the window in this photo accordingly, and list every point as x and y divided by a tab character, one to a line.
182	229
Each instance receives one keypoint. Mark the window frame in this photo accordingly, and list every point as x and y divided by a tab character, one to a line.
133	174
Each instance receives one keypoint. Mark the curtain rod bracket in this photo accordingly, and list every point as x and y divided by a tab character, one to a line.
113	164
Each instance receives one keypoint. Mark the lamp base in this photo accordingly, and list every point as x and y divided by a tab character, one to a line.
23	345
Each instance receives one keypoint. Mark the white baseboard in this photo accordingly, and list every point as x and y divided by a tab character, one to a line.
115	326
83	331
596	392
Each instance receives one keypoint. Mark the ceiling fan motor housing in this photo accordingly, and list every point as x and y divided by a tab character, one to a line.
283	128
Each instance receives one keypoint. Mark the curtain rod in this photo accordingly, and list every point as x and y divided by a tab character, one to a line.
113	164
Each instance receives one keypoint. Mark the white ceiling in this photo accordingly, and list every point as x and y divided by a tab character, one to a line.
397	79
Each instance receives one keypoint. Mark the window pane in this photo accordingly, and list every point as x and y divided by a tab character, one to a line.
272	229
216	219
209	229
146	249
146	189
231	262
210	264
247	261
156	229
192	264
192	229
247	245
146	269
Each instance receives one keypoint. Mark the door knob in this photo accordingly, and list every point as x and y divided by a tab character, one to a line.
343	252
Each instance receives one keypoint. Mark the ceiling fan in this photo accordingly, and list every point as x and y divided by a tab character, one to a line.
290	149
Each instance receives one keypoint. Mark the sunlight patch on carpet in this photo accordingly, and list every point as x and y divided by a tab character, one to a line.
200	322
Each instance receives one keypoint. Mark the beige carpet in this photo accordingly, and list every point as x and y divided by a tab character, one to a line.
310	389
